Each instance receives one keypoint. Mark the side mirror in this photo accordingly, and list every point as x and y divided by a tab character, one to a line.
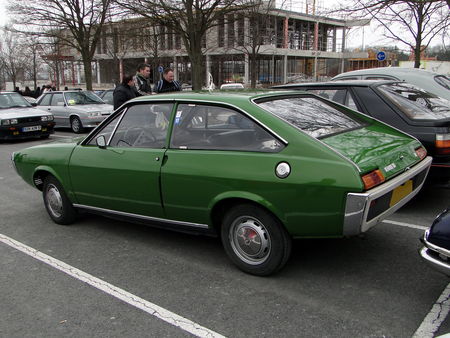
101	141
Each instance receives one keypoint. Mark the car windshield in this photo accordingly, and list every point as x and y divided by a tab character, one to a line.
416	103
443	80
12	100
85	97
311	115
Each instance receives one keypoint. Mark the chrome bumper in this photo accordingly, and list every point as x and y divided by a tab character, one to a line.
358	205
435	256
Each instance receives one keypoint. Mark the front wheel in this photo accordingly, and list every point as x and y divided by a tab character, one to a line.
255	240
57	203
76	125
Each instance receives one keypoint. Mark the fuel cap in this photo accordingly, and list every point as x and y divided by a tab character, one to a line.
283	169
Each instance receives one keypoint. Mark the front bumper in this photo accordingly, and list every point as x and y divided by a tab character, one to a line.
364	210
92	122
15	132
435	256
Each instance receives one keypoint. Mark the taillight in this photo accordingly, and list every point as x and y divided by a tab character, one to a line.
421	152
372	179
442	144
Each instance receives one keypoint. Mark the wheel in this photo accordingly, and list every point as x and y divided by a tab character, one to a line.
76	125
255	240
57	203
45	136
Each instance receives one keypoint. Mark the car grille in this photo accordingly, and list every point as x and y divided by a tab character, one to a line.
29	119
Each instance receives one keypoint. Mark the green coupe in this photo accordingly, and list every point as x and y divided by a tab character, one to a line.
257	169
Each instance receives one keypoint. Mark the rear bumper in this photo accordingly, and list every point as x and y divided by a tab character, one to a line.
436	257
364	210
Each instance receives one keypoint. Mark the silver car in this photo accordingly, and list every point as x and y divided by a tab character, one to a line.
76	109
432	82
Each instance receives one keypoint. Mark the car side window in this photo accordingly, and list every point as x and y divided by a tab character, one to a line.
106	131
58	99
379	77
143	126
45	100
219	128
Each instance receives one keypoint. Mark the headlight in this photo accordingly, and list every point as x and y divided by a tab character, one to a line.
47	118
8	122
94	114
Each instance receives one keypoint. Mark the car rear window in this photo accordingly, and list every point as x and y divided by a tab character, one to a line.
443	80
312	115
416	103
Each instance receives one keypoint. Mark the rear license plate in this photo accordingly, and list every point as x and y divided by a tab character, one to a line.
400	192
33	128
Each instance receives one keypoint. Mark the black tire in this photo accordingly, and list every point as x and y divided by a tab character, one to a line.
255	240
58	205
45	136
76	125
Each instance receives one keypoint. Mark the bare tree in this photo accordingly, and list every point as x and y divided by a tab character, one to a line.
414	23
12	56
188	18
76	24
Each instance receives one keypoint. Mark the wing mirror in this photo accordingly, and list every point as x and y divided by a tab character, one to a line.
101	142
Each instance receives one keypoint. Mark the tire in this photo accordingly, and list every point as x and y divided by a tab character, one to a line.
58	205
255	240
76	125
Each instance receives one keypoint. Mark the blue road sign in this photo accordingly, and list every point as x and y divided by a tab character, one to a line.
160	69
381	56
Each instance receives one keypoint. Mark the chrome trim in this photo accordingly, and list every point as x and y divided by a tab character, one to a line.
434	247
437	264
14	162
142	217
358	204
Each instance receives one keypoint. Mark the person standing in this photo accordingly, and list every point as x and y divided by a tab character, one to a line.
124	91
141	80
167	83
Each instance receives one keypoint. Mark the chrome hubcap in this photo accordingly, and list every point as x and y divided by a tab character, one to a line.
54	201
250	240
75	125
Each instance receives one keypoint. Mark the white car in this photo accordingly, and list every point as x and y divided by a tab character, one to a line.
432	82
76	109
232	86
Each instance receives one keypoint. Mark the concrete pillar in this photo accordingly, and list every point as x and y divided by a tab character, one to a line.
285	59
97	65
175	68
78	73
246	69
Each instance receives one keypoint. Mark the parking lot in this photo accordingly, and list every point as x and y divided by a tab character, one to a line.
103	277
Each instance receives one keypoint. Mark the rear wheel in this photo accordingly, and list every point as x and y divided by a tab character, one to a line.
58	205
255	240
76	125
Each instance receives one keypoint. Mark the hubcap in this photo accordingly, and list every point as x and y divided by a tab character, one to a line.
75	125
54	201
250	240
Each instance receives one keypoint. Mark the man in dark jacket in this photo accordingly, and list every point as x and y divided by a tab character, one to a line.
124	91
141	79
167	83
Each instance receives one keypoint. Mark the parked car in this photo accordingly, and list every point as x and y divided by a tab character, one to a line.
404	106
231	86
76	109
436	240
437	84
255	169
19	119
107	96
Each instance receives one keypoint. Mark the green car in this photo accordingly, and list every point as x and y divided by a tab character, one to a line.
257	169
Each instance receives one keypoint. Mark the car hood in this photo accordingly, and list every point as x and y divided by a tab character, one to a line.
373	148
18	112
104	108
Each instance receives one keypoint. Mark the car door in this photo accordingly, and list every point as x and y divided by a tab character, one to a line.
214	150
124	175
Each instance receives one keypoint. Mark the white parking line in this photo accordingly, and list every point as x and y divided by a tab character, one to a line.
413	226
62	136
153	309
435	317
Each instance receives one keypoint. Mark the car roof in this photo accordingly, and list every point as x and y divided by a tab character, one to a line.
216	96
388	71
346	83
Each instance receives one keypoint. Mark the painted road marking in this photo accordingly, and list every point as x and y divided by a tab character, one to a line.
413	226
152	309
435	317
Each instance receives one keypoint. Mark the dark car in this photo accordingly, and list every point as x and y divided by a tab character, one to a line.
19	119
107	96
436	251
404	106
